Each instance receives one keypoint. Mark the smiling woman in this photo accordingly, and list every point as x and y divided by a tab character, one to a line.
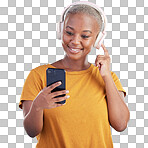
79	34
96	99
81	28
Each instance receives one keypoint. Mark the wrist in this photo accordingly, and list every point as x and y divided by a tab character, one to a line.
36	107
107	77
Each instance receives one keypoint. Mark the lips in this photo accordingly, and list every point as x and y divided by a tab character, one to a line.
74	49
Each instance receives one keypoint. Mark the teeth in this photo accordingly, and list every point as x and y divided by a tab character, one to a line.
75	49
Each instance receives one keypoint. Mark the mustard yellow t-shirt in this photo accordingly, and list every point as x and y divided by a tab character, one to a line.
83	121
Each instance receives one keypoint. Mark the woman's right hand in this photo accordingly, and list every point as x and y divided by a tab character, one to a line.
45	99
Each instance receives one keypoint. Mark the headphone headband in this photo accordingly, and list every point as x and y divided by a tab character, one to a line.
100	36
104	18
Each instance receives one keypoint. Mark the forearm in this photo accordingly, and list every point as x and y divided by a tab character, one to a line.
33	121
117	109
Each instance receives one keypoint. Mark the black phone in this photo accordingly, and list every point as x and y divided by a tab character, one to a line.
54	75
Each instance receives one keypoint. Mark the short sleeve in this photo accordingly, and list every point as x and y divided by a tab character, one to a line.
118	83
31	88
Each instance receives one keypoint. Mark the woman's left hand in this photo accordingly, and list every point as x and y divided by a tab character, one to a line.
103	63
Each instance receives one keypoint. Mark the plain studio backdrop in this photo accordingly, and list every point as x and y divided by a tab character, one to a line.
28	39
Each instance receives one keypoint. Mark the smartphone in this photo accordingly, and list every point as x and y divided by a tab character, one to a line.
54	75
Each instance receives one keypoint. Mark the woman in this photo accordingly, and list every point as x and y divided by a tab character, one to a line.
95	97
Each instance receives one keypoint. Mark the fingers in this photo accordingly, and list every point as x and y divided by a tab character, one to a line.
57	93
105	50
59	99
100	56
47	99
101	59
51	87
52	102
58	105
104	57
54	105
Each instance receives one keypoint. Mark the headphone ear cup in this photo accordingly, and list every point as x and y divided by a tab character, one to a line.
59	30
62	25
97	42
100	39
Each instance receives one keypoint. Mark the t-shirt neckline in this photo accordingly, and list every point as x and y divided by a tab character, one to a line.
77	72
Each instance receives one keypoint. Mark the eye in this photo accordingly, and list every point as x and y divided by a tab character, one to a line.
85	36
69	33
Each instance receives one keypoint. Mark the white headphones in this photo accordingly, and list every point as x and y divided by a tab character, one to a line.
100	36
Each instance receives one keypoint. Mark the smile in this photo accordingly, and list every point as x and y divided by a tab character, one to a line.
74	50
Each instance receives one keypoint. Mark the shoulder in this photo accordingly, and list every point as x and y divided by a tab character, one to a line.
114	75
41	69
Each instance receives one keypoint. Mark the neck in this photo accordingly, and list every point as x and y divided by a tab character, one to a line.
75	65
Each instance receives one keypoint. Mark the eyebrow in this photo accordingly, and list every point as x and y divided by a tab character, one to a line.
83	30
69	27
87	31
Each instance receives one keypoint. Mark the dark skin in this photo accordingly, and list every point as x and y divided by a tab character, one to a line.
80	32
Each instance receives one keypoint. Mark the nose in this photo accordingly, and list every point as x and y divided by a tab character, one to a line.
76	40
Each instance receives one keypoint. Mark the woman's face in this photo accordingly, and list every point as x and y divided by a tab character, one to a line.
79	35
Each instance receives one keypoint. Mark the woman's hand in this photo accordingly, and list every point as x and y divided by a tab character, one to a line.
33	110
47	100
117	110
103	63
